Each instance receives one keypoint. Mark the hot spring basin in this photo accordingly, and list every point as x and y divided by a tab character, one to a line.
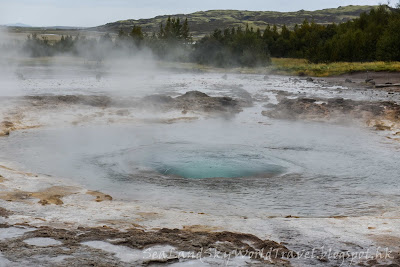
198	162
208	168
322	165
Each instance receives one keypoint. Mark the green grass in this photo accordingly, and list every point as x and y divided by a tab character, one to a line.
291	66
295	67
207	68
280	66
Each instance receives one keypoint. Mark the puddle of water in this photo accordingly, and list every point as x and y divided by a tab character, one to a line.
125	254
13	232
3	261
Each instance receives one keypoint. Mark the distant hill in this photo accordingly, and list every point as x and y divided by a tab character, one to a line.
28	27
20	25
206	21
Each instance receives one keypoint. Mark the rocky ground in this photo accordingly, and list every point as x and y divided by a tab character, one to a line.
81	246
20	113
53	222
368	80
377	114
47	222
23	242
382	116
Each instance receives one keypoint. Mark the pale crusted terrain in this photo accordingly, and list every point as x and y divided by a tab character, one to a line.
97	229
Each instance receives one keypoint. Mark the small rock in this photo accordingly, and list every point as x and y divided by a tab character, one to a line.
348	81
309	79
7	124
264	113
290	216
20	76
193	94
370	81
338	100
307	100
270	105
5	133
322	259
158	99
382	127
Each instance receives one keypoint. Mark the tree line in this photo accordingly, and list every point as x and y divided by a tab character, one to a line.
372	36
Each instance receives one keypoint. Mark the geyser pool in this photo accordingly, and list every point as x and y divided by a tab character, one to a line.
197	161
205	167
305	169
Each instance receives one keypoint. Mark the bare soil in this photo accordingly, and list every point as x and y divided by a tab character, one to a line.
366	80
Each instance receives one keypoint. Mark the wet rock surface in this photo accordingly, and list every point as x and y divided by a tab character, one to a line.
72	249
323	109
193	101
4	213
190	101
90	100
40	110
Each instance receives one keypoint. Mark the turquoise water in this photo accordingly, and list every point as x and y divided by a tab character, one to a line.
216	166
199	162
204	167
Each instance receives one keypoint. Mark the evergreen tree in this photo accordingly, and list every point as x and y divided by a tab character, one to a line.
186	32
137	34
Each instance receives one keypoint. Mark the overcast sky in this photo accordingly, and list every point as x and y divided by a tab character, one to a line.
97	12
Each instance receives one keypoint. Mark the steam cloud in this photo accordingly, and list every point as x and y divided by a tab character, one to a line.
115	71
8	65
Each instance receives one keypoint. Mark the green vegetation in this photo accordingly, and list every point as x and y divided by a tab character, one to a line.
293	66
80	46
173	41
38	47
205	22
232	47
302	67
307	49
371	37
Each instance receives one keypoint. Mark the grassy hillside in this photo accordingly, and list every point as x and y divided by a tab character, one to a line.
206	21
